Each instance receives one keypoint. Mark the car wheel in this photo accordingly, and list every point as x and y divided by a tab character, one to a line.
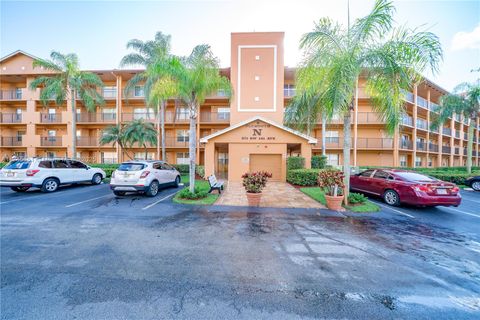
152	189
119	193
177	181
97	178
391	198
50	185
20	189
476	185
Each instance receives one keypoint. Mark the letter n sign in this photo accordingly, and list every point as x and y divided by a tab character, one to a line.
257	132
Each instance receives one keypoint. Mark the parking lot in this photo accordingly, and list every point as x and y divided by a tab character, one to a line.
82	253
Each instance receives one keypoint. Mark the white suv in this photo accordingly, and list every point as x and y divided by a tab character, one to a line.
143	176
47	174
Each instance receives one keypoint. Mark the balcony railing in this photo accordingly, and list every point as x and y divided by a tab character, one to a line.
369	117
15	94
422	124
434	107
457	150
136	116
408	96
422	102
330	142
11	141
214	117
433	147
421	146
51	141
172	117
88	141
50	117
457	134
109	93
173	142
434	130
109	160
10	117
447	131
374	143
406	144
446	149
407	120
96	117
289	92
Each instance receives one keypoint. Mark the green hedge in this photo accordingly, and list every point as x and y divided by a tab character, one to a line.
294	163
2	164
182	168
319	162
200	171
303	177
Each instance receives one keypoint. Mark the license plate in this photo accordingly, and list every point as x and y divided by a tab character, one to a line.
10	174
441	191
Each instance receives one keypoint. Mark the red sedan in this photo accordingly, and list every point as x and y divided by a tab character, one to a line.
401	186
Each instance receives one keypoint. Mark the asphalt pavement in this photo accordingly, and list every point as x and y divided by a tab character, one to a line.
82	253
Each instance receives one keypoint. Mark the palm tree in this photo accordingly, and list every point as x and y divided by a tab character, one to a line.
68	81
198	76
390	59
140	132
116	135
465	101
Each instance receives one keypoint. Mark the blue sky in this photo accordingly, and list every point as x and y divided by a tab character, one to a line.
98	30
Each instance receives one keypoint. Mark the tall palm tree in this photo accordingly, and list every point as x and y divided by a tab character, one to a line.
68	81
116	135
198	76
140	132
391	60
465	101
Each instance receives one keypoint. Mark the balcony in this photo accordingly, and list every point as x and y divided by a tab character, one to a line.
434	107
422	102
465	136
109	93
374	143
433	130
11	141
50	117
447	131
215	117
150	117
422	124
406	120
457	134
8	95
172	117
176	142
408	96
369	117
446	149
330	142
109	160
406	144
96	117
421	146
433	147
457	150
464	151
88	141
10	118
51	141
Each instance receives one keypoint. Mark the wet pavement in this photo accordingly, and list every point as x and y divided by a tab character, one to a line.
82	253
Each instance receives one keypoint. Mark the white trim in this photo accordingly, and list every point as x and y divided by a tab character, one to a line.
18	52
275	66
240	124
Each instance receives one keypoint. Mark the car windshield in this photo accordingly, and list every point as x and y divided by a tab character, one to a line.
412	176
18	164
131	167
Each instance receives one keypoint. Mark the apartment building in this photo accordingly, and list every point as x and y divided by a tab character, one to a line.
263	87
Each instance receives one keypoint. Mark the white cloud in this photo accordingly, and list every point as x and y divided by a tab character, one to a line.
466	40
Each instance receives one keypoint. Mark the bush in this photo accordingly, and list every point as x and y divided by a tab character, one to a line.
356	198
319	162
2	164
182	168
200	171
197	194
331	182
294	163
254	182
457	178
303	177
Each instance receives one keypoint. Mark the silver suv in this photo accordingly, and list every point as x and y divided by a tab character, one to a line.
47	174
143	176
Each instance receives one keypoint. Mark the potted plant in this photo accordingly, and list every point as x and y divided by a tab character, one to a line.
253	183
331	181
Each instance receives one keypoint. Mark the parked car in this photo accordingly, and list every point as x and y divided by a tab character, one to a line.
47	174
473	182
143	176
406	187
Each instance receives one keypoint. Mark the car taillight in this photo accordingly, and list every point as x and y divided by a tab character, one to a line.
144	174
422	188
455	189
31	173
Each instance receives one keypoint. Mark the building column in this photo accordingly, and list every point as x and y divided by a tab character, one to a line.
461	142
396	142
452	140
197	158
428	127
414	135
209	154
31	117
440	146
119	111
355	126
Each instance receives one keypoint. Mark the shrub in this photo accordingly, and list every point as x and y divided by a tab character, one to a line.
331	181
294	163
356	198
200	171
254	182
2	164
303	177
457	178
319	162
182	168
197	194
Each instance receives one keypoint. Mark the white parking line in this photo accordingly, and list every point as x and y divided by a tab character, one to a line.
77	203
158	201
464	212
395	210
466	199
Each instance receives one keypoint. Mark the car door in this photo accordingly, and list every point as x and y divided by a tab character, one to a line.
61	170
158	173
80	172
169	172
361	181
379	181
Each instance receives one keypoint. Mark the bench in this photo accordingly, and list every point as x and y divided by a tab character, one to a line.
214	184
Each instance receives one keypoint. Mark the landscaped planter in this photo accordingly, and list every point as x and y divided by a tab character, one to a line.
254	182
334	202
254	199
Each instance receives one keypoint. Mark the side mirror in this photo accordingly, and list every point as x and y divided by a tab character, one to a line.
87	168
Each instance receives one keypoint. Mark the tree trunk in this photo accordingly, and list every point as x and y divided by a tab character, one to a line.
324	133
192	146
162	126
74	125
470	146
347	120
125	150
158	131
146	151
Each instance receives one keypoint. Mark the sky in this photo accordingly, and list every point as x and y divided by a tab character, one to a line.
99	30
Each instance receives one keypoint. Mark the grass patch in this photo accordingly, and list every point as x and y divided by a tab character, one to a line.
317	194
201	185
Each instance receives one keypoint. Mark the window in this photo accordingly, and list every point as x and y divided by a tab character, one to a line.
19	154
45	164
288	90
18	93
60	164
18	164
79	111
183	158
166	166
157	166
131	167
223	113
109	157
51	154
379	174
77	164
430	162
143	113
403	161
52	114
418	161
182	113
141	156
79	133
366	173
18	114
52	133
412	176
109	114
109	92
331	136
139	91
20	134
332	159
183	135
